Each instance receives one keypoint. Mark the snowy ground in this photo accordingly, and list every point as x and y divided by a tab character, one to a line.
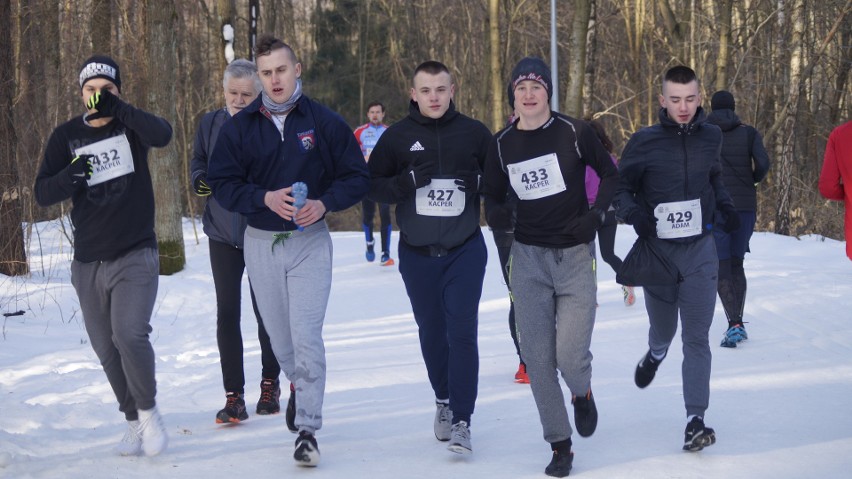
780	401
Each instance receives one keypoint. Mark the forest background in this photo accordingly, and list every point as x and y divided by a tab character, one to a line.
787	62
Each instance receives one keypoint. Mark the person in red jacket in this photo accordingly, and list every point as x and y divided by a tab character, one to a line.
837	173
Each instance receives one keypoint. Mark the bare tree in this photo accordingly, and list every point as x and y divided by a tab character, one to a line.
495	71
13	256
589	83
161	22
577	65
724	21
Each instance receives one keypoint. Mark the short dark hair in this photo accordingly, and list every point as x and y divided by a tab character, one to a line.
602	136
432	67
267	43
376	103
680	74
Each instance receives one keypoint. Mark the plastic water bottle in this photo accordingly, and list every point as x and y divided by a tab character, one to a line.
300	194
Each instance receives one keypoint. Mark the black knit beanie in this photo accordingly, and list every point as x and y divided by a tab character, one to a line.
530	68
722	100
100	66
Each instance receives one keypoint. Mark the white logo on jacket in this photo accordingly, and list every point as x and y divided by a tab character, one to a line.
417	147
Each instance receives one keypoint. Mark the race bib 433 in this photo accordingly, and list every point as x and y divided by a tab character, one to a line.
537	178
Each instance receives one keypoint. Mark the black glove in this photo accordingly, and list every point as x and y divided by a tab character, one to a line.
105	102
80	168
588	225
644	224
200	185
732	219
418	175
468	181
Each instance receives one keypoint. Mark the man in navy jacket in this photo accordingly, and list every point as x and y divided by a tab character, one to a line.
281	138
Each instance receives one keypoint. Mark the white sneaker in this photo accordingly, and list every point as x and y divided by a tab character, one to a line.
460	441
131	443
154	438
443	421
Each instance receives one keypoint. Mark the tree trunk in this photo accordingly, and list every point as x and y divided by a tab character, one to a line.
842	76
591	60
101	27
577	64
723	58
38	62
498	118
164	163
787	160
13	255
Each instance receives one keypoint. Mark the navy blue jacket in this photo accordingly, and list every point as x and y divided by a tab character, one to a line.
671	162
456	143
219	224
745	161
253	157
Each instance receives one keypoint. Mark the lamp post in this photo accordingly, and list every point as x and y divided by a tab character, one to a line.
554	66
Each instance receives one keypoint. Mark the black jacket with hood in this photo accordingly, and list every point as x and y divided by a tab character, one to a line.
669	162
455	143
745	161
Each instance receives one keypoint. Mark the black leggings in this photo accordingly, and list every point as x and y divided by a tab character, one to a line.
228	264
504	240
368	209
606	238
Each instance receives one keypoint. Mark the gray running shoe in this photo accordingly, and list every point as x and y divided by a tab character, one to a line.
443	421
460	440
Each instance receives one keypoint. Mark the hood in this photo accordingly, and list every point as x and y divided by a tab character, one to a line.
725	119
414	113
697	121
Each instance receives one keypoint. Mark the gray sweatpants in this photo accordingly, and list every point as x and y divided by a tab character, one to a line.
695	300
117	298
292	282
555	293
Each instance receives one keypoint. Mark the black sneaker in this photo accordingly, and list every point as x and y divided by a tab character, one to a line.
234	410
585	414
561	462
698	436
307	452
290	414
646	370
270	397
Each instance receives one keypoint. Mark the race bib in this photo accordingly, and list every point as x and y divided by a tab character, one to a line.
678	219
537	178
440	198
112	159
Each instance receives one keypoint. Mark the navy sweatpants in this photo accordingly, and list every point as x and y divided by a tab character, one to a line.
444	293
